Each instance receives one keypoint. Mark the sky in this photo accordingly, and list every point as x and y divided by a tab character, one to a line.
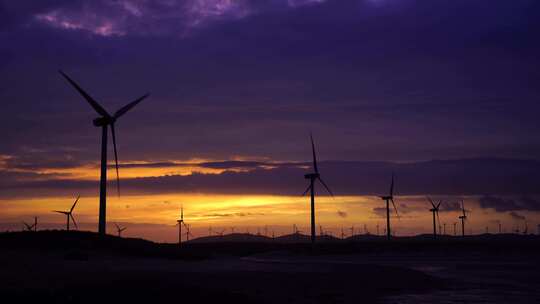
444	93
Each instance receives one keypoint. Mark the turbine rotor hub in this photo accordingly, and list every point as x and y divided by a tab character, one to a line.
311	176
103	121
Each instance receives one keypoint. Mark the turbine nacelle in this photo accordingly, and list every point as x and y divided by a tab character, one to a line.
312	176
103	121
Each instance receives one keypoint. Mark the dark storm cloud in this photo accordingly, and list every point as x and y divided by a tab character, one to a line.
455	177
509	204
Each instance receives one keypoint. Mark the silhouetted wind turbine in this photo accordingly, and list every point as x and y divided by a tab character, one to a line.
104	121
389	198
119	229
463	218
69	214
188	232
434	211
28	227
312	178
455	230
180	223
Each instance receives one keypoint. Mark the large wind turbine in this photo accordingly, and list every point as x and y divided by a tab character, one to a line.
312	178
389	198
434	211
104	121
463	218
69	214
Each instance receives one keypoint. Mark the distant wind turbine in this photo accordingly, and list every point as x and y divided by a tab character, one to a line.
180	223
434	211
311	188
119	229
69	214
389	198
28	227
104	121
463	218
33	227
188	232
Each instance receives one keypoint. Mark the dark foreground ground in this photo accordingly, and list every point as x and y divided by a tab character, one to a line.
79	267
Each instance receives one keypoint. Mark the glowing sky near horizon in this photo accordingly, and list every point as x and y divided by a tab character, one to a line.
153	216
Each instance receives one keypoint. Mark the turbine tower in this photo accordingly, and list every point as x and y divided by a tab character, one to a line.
69	214
463	218
389	198
104	121
311	188
434	211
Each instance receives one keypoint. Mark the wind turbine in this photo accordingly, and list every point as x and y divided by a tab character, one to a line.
434	211
119	229
104	121
28	227
463	218
389	198
311	188
69	214
188	232
32	227
455	230
179	223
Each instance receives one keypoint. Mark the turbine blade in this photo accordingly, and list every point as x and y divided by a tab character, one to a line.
74	222
308	188
116	159
98	108
438	219
63	212
117	227
392	186
438	205
394	204
129	106
432	203
324	184
314	154
73	207
182	213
